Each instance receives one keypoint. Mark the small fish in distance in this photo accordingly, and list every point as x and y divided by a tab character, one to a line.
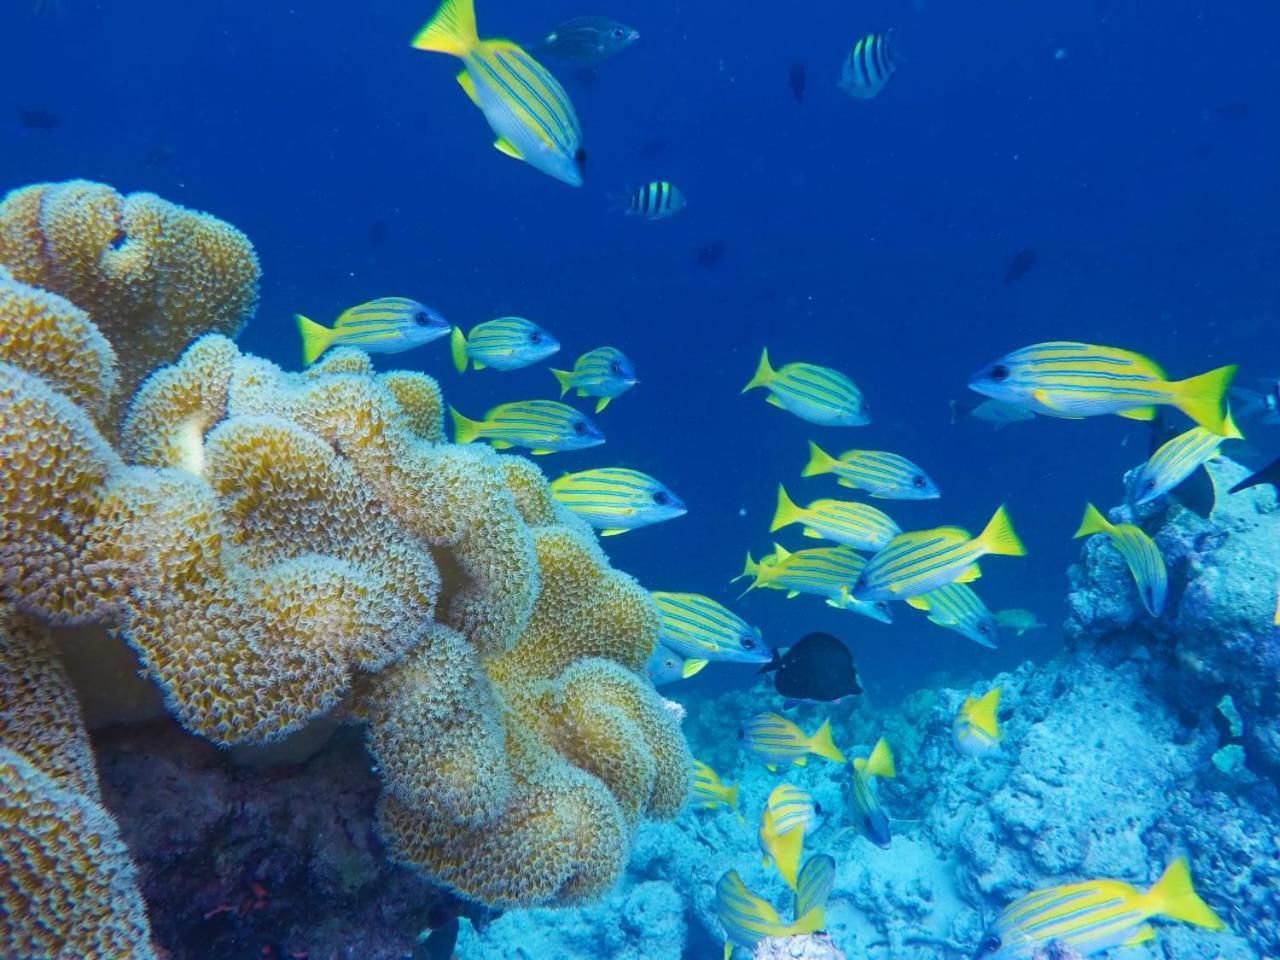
1263	403
1021	264
1018	620
709	255
796	77
779	742
869	66
36	119
586	40
655	201
881	474
819	667
958	608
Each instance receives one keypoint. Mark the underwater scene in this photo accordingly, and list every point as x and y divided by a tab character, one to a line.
639	480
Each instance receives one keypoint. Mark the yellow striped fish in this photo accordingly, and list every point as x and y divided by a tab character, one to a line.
541	426
917	562
525	105
604	373
709	792
869	816
1175	461
857	525
1095	916
747	918
817	394
956	607
975	729
507	343
702	630
827	572
787	817
883	475
385	325
1139	551
614	499
1072	380
814	885
869	66
779	742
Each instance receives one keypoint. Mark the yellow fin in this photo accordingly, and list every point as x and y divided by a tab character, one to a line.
792	594
477	364
1173	896
1093	522
786	849
773	401
452	30
613	531
969	574
602	403
780	552
1204	398
1141	935
691	667
786	512
822	744
1042	398
564	378
458	348
504	445
503	145
880	763
812	533
920	601
982	712
468	86
763	374
801	761
315	338
999	536
811	922
464	430
819	462
1138	413
749	569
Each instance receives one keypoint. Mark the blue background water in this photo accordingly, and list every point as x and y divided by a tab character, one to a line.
1133	145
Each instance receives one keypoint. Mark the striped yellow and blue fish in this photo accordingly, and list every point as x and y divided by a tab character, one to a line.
817	394
1140	552
814	884
385	325
1072	380
887	476
827	572
868	816
614	500
788	816
1175	461
878	610
656	201
747	918
507	343
709	791
540	426
956	607
1094	916
529	111
869	66
976	729
702	630
923	560
779	742
604	373
857	525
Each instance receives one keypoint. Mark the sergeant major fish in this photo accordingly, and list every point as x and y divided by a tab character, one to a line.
887	476
385	325
604	373
614	500
1139	551
525	105
816	394
655	201
701	630
869	66
507	343
541	426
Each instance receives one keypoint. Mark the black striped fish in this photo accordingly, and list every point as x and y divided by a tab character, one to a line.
1063	378
886	476
507	343
1140	552
817	394
385	325
857	525
869	66
1091	917
614	499
1176	460
524	104
656	201
541	426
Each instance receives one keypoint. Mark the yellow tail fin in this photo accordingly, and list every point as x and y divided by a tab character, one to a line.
452	30
1204	398
786	850
464	430
731	796
880	763
1230	430
786	513
819	462
1173	896
565	379
315	339
1092	522
458	347
749	569
982	712
999	536
822	744
764	373
811	922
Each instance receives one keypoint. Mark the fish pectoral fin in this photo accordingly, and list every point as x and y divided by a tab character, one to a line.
541	453
503	145
919	602
792	594
613	531
969	574
1042	398
468	87
478	364
1138	413
802	761
813	534
691	667
602	403
1141	935
771	399
502	444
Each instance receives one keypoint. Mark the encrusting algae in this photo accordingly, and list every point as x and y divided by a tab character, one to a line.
279	547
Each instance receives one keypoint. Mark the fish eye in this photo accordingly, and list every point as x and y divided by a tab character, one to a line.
661	498
580	158
918	482
615	368
617	33
421	318
1150	484
535	337
882	606
999	372
984	628
748	643
580	428
990	945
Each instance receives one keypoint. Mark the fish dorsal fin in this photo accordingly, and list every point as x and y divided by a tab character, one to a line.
468	86
880	763
982	712
503	145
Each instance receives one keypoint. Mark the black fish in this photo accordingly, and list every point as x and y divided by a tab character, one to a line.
797	81
818	667
1268	474
709	255
1020	265
45	120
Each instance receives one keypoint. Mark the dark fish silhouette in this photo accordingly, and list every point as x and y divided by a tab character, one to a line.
586	40
819	667
709	255
45	120
440	943
1268	474
797	81
1020	265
